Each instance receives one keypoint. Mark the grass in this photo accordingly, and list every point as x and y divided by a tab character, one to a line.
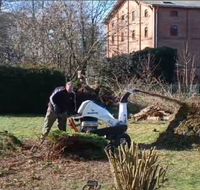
183	166
22	126
143	132
183	172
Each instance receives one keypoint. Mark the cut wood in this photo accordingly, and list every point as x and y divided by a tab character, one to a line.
183	130
153	112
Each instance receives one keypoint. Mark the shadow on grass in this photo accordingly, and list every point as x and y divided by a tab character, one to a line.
172	141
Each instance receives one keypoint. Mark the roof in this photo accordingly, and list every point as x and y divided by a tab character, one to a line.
113	11
166	3
178	4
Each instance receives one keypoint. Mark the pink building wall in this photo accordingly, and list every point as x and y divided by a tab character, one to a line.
158	22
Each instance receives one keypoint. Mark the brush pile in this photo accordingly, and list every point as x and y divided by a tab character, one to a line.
77	145
183	130
8	142
101	94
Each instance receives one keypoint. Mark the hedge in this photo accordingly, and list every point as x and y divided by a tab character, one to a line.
162	64
163	60
27	90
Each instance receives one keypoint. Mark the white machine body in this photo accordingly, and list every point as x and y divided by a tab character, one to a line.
123	114
90	109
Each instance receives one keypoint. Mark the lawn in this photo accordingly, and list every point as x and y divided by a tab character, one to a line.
183	166
22	126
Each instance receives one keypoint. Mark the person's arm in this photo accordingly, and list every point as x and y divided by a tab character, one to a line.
53	100
71	104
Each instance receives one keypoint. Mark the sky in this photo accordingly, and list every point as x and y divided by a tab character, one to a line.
14	5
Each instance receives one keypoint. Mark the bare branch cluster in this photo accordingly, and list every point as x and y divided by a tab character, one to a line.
65	34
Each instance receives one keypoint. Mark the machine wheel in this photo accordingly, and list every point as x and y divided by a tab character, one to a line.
120	140
124	139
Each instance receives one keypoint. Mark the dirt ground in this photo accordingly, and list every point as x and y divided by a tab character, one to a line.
28	170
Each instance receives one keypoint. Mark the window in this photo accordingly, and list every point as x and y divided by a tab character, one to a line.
122	17
113	39
174	30
146	13
133	15
133	34
145	32
122	37
174	13
51	34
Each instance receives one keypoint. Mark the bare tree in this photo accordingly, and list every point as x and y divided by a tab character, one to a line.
7	28
186	70
64	34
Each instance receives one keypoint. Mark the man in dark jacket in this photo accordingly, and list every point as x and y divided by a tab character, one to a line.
62	104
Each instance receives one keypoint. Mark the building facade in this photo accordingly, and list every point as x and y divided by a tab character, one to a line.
133	25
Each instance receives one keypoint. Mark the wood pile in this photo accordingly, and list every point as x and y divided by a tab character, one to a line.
183	131
152	113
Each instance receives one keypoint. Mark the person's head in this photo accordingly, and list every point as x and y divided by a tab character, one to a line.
69	86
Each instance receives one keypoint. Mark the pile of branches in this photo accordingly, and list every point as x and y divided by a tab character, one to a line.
183	130
99	93
78	145
8	142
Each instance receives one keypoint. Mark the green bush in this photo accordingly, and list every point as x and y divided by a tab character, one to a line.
26	90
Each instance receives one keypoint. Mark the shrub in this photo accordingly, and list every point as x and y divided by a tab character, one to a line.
135	169
160	62
26	90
